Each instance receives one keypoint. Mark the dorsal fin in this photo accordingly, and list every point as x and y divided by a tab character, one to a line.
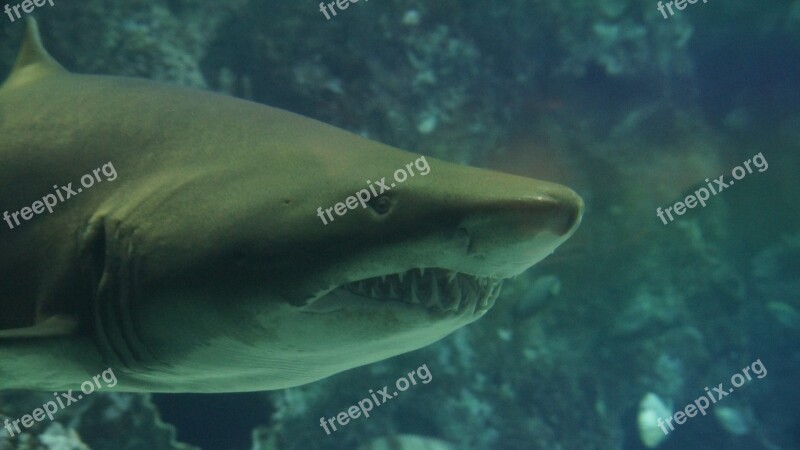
33	61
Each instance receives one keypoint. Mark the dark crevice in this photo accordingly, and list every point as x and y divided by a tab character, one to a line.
215	421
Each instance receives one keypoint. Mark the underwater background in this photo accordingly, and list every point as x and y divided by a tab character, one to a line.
634	317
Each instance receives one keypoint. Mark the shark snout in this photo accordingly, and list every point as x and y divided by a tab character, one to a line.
566	210
507	235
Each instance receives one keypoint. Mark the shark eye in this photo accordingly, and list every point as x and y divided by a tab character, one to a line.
381	205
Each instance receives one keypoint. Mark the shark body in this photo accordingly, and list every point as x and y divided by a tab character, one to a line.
203	267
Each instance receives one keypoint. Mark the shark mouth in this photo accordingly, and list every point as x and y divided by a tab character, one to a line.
437	290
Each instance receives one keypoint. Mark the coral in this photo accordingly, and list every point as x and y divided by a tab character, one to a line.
56	437
164	40
100	420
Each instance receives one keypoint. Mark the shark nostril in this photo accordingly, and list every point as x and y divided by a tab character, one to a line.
462	234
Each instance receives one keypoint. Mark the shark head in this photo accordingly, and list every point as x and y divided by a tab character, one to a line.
325	251
429	244
424	257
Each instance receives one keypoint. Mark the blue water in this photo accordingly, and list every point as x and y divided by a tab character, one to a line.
635	318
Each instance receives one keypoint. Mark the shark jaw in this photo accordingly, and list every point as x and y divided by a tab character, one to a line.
456	276
440	292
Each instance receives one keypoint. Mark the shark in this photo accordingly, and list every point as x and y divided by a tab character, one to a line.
203	267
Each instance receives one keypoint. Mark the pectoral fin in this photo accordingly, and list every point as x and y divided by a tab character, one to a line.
61	325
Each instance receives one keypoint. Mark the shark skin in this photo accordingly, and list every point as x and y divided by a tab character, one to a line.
204	266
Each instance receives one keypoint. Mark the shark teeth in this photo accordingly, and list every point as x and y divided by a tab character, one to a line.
433	298
414	290
393	292
455	297
438	290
